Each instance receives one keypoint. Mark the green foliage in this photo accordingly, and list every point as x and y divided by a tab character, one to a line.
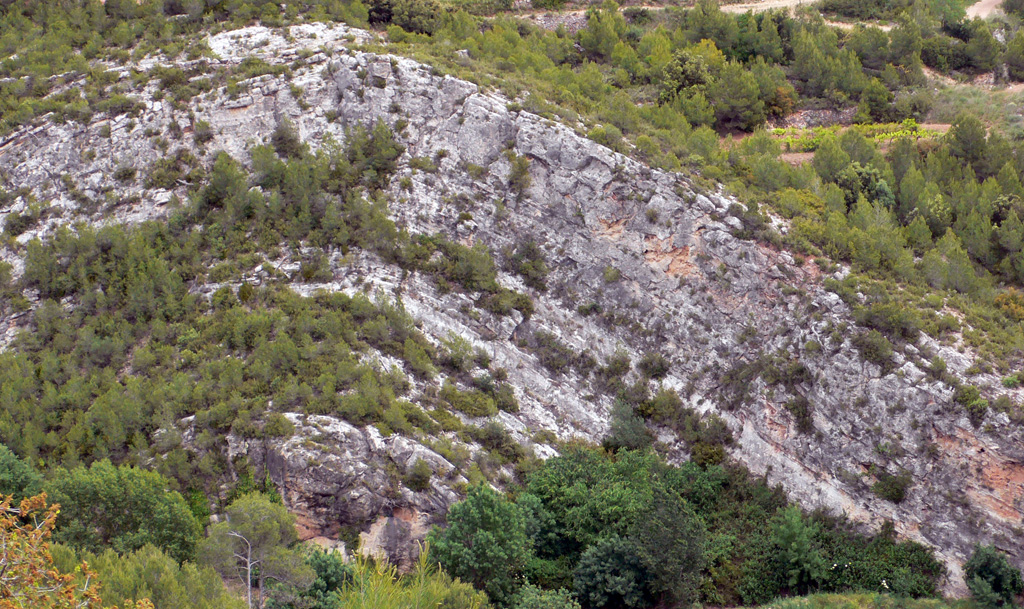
381	586
654	365
332	575
519	179
532	597
18	479
494	437
969	397
892	488
253	544
993	581
124	508
803	563
286	141
475	403
627	430
418	476
874	347
278	426
485	543
611	573
527	260
139	351
150	573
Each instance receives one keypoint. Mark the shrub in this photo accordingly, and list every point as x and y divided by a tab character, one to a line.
892	488
532	597
654	365
418	476
124	174
627	430
202	133
418	359
278	426
874	347
519	174
800	407
494	437
17	223
552	354
246	292
611	573
528	262
970	398
992	580
474	403
285	140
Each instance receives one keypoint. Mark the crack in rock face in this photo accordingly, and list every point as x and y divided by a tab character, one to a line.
662	257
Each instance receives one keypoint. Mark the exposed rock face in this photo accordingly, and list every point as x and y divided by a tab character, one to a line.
334	475
688	286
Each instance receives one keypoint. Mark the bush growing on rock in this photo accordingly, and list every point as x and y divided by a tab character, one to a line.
418	477
892	488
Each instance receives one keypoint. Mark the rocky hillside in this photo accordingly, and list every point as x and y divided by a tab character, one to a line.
641	262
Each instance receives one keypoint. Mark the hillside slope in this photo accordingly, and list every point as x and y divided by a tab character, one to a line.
642	261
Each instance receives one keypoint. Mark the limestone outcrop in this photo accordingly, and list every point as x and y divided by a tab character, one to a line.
684	280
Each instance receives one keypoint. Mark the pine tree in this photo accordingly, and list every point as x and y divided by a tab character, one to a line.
976	235
830	159
254	544
736	98
1011	233
919	236
794	538
876	100
967	138
910	191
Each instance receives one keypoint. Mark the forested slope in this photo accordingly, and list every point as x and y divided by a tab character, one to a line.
289	261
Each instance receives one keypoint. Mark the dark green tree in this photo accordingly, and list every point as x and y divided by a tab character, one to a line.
967	138
332	573
123	508
875	102
612	573
993	581
736	98
801	559
484	544
1014	57
17	477
830	159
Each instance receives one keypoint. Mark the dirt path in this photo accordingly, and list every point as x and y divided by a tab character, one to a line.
766	5
984	9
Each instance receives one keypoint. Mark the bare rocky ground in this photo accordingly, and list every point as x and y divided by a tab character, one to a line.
689	286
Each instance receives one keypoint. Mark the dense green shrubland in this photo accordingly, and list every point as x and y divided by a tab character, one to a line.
627	530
